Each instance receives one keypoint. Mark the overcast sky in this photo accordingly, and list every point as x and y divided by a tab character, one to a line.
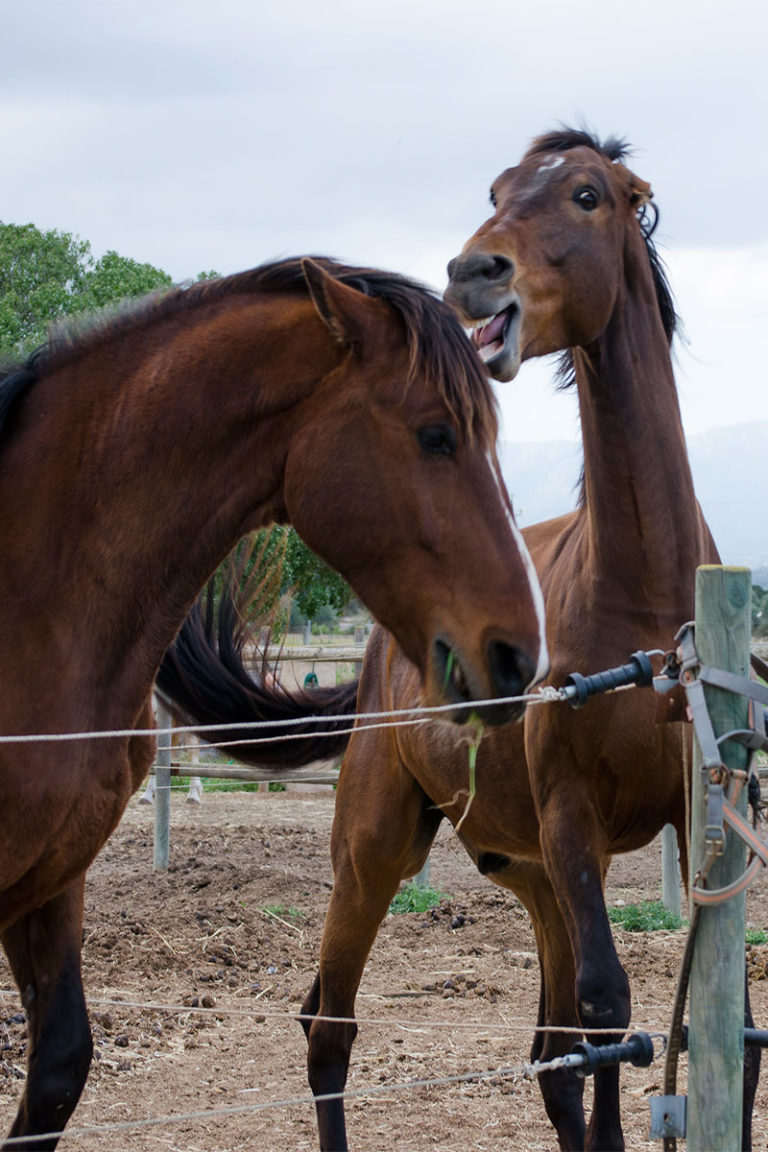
226	133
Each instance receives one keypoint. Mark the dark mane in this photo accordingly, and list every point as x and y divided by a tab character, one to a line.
564	138
437	343
616	151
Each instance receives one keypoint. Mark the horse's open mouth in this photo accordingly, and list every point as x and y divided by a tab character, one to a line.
496	339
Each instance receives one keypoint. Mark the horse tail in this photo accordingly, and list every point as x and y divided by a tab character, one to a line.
204	680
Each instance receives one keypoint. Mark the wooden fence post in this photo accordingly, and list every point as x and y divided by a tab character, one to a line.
670	870
163	792
716	1014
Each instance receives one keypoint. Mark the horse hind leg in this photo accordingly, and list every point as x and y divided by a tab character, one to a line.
43	949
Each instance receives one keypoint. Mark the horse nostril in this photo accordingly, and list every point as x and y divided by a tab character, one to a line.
498	268
451	672
494	268
511	669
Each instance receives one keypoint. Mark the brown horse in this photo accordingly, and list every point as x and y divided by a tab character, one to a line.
134	456
566	262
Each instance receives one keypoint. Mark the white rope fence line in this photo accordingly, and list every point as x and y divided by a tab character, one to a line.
420	712
419	715
525	1070
402	717
288	1017
349	1095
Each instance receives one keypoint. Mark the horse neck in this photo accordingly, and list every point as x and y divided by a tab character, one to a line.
154	468
642	527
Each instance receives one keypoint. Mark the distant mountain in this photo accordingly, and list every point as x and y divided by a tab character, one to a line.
730	471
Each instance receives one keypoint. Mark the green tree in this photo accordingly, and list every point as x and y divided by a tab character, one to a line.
275	561
313	583
45	276
759	611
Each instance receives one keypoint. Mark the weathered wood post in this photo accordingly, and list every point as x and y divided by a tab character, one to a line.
163	786
670	870
716	1015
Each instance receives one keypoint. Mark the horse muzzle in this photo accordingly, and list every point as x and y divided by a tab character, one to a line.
510	672
480	291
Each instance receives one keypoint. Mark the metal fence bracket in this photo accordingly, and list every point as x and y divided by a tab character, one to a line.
668	1116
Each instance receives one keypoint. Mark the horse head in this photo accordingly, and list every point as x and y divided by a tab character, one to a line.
543	273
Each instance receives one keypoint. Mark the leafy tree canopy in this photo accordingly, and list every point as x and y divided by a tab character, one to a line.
275	561
45	276
314	584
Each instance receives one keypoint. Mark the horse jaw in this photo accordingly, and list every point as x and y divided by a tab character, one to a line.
495	320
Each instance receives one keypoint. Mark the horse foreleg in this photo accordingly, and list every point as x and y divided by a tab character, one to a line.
382	831
43	949
571	839
562	1091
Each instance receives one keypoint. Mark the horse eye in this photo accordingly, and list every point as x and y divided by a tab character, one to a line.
437	439
586	198
494	202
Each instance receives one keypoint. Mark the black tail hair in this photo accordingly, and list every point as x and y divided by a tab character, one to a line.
204	680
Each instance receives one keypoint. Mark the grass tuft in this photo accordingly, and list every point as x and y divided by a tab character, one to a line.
413	898
648	916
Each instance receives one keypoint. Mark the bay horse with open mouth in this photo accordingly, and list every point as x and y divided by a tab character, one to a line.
565	263
133	457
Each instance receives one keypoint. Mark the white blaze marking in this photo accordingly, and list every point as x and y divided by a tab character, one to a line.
533	580
550	163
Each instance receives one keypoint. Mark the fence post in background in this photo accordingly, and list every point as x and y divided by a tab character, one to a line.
716	1014
670	870
195	793
163	789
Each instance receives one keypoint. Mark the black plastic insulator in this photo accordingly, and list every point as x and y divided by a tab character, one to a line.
753	1038
637	1050
579	688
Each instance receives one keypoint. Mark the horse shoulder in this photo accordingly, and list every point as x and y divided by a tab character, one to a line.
547	540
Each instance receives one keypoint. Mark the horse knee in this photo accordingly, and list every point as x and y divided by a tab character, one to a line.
603	998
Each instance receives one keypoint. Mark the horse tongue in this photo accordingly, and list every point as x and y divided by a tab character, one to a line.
491	332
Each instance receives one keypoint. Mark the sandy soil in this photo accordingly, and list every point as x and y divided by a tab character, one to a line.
194	976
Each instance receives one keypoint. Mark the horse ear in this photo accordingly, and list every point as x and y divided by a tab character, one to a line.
338	306
640	191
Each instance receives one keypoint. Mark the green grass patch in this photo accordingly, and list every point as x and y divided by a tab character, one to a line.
215	785
413	898
652	916
648	916
284	912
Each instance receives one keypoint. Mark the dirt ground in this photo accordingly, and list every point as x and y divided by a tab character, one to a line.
194	976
